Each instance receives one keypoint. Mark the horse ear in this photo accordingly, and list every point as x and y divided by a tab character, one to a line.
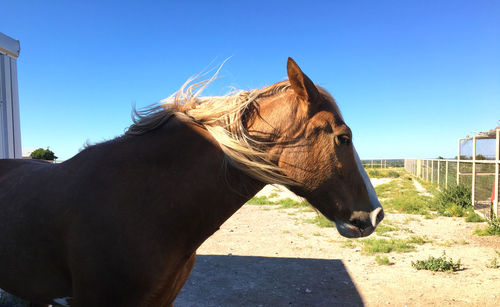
301	84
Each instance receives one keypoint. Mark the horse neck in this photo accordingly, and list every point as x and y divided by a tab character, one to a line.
181	176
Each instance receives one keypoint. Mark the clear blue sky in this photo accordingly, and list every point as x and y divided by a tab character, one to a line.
409	76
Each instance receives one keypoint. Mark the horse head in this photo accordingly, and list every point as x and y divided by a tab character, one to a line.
313	146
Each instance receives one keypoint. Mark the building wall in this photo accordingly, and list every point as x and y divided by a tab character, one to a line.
10	133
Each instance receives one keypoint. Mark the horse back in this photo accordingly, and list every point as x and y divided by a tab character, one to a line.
8	165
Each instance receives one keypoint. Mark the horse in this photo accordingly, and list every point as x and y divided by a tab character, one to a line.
119	223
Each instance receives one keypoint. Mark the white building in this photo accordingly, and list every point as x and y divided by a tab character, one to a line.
10	132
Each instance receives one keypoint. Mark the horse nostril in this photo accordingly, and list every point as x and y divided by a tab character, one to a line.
376	216
360	223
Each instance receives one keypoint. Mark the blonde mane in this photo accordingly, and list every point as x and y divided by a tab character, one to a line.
224	117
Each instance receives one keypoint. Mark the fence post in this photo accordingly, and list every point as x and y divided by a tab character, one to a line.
458	163
426	170
473	196
432	171
446	178
497	170
439	169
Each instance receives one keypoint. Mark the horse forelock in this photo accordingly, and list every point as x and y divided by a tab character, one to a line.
225	118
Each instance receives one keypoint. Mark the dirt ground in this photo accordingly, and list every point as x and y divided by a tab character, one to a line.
266	256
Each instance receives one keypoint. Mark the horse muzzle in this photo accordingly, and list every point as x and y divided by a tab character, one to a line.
361	224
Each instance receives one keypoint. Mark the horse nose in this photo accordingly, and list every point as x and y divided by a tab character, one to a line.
376	216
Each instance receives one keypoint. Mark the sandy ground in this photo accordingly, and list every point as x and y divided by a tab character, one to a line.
266	256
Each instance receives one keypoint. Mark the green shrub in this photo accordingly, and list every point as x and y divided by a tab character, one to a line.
474	218
43	154
440	264
455	210
493	228
453	201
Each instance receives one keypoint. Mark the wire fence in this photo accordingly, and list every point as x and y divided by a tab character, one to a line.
482	176
383	163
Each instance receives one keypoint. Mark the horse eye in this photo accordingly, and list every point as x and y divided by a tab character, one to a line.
342	139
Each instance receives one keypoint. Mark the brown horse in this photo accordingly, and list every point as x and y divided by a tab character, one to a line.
119	223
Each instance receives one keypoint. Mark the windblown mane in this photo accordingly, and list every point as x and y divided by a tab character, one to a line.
225	118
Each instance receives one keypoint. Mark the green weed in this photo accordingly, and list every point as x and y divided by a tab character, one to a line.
493	228
321	221
349	244
383	260
383	229
287	203
374	245
260	200
440	264
453	201
474	218
495	263
272	195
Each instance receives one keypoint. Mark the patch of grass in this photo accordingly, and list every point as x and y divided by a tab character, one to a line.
317	234
383	260
290	203
286	231
493	228
447	243
418	240
383	173
474	218
349	244
409	219
272	195
321	221
440	264
495	263
411	202
400	195
260	200
429	186
383	229
373	246
429	216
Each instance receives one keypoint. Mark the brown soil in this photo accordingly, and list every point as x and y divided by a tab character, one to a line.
266	256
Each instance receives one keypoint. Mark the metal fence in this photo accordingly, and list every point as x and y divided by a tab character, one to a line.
383	163
482	176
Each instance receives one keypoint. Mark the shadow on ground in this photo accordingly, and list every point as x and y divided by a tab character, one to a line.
219	280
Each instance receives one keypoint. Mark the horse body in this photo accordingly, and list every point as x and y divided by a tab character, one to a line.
119	223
